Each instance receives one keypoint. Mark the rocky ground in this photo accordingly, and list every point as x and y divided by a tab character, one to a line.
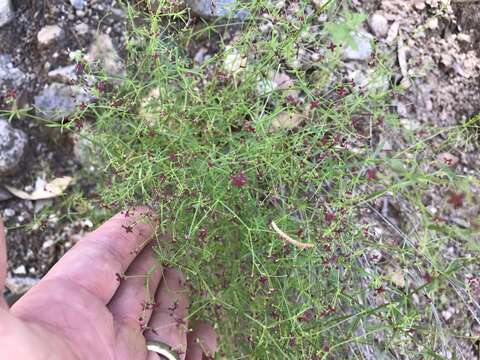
432	44
437	61
45	45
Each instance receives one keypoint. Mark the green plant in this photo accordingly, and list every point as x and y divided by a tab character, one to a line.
221	151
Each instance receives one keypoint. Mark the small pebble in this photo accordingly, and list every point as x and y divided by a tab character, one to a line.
21	270
49	34
363	49
419	4
447	314
432	23
8	213
379	25
78	4
81	29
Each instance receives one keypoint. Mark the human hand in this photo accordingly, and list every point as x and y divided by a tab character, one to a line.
84	309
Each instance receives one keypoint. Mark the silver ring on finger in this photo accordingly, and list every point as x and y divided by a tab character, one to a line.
162	349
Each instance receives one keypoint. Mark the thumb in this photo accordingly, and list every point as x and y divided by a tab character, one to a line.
3	263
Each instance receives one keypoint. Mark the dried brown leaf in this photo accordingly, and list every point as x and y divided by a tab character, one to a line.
287	121
51	190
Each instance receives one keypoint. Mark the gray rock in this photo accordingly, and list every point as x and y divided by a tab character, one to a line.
362	49
65	74
103	55
10	75
211	9
379	24
85	151
12	147
78	4
6	12
58	101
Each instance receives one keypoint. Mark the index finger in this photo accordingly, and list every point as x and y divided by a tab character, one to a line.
97	260
3	263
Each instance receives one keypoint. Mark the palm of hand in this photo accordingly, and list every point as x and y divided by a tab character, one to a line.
82	309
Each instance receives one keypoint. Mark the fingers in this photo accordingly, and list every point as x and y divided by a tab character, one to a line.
168	323
133	302
131	306
201	342
3	264
96	260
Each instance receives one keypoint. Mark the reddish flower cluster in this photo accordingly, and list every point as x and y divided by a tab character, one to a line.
380	290
371	174
11	94
248	127
328	311
292	100
330	216
307	315
119	277
202	233
101	87
427	277
292	342
341	91
173	157
239	180
455	199
314	104
79	125
79	68
173	307
331	46
128	228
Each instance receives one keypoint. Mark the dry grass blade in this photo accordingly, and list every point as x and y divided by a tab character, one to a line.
289	239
